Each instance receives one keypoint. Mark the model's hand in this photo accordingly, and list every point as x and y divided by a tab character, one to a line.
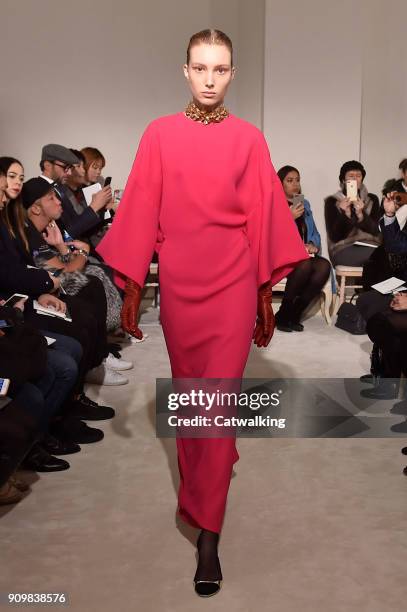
130	308
265	323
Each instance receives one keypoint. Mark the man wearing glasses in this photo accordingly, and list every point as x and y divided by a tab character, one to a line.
56	165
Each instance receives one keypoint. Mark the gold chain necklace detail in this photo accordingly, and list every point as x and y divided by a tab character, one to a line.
215	116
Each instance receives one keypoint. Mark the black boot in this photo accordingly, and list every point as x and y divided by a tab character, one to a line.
284	316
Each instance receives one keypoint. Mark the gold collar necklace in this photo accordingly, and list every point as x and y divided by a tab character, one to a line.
196	114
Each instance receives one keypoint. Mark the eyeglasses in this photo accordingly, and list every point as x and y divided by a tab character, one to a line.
65	167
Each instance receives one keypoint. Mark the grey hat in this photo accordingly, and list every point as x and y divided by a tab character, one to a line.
56	152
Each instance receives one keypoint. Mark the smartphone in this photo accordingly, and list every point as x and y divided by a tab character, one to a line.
56	272
14	299
352	190
4	385
298	200
108	180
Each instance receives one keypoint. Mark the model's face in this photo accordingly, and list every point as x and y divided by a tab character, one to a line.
291	184
50	205
15	180
95	170
354	175
209	74
3	195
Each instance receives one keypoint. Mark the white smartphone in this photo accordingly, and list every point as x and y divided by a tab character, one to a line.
14	299
4	385
352	190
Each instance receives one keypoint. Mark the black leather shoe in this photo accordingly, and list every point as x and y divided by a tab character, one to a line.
400	408
74	430
386	389
88	410
404	450
400	427
53	446
297	327
405	471
367	378
38	460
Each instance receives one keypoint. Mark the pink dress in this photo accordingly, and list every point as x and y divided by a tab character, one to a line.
207	198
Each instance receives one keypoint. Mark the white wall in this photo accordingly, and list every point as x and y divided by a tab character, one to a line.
336	89
384	104
312	91
95	72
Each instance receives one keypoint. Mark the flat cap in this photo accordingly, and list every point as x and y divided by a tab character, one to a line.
56	152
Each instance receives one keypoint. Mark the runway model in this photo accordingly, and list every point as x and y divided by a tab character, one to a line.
204	194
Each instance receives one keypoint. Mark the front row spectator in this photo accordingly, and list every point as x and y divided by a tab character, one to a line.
57	164
304	284
348	222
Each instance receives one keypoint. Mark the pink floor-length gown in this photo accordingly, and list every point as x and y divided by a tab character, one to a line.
208	199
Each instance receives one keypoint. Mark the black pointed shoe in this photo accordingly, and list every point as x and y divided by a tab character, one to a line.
38	460
88	410
208	588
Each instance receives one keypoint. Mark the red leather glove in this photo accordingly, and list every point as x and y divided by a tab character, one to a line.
265	323
130	308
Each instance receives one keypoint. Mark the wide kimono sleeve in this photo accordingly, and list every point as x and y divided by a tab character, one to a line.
273	235
129	244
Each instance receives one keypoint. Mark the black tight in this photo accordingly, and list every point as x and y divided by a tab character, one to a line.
304	283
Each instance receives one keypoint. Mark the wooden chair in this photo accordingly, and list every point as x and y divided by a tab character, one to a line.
342	273
325	299
152	281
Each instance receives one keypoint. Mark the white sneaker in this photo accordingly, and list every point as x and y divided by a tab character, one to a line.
117	364
134	340
101	375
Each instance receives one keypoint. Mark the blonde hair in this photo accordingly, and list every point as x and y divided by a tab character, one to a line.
210	37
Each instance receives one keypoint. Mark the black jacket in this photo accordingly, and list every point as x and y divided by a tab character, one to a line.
15	277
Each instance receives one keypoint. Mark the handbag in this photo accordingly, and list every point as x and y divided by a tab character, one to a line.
349	319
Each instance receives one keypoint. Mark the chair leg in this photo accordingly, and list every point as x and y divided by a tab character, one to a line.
326	300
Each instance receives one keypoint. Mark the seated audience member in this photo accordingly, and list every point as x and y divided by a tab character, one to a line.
49	251
56	166
401	184
304	284
88	311
41	381
389	259
348	222
73	188
94	164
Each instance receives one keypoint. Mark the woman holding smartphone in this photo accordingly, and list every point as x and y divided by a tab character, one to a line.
352	215
304	284
204	194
